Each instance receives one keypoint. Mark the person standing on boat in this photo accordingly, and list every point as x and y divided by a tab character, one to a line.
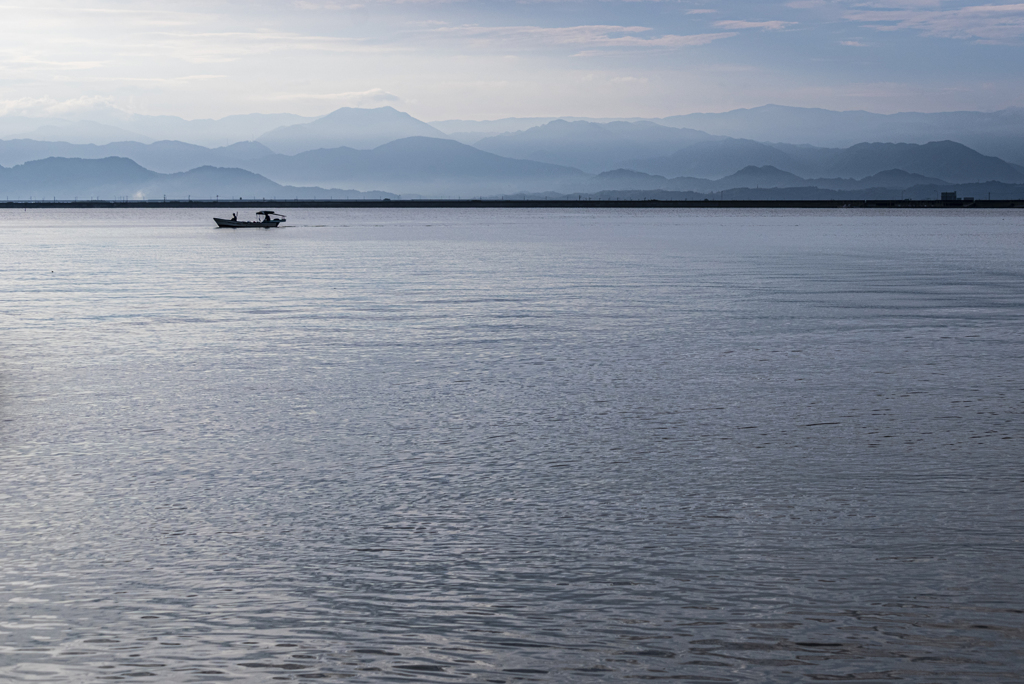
234	217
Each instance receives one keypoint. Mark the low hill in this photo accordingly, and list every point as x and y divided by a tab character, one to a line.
624	179
893	178
771	177
762	176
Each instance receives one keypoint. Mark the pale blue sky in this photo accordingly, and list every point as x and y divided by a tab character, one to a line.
477	59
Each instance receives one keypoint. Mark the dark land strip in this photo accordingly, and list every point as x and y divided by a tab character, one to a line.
517	204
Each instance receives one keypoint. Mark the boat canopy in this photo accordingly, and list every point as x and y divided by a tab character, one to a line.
269	213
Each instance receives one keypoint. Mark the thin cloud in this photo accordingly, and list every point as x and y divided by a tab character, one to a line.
898	4
588	37
156	79
27	62
985	23
736	25
351	99
46	106
313	6
222	47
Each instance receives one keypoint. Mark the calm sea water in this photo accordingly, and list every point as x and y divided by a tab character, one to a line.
512	445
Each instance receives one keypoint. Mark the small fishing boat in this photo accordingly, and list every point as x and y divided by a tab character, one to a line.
270	220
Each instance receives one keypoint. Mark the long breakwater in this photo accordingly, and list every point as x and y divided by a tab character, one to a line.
517	204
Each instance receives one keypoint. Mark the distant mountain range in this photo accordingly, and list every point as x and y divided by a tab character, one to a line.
998	133
559	143
993	133
117	177
383	149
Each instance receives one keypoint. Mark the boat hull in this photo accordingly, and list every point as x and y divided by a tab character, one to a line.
228	223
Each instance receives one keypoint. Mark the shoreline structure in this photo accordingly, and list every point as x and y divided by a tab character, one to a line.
515	204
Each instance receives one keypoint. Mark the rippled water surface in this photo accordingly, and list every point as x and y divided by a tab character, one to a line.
512	445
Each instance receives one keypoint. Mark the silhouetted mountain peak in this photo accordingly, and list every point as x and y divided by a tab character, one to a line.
899	178
348	127
249	149
767	169
626	173
762	174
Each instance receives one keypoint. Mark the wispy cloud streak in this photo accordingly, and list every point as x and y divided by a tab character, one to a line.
597	36
737	25
988	23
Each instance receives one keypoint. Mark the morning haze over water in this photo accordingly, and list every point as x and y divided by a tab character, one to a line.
512	445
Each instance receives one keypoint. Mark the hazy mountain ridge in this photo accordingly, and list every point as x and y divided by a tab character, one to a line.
600	147
952	161
716	159
118	177
166	156
999	133
592	147
109	126
422	166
